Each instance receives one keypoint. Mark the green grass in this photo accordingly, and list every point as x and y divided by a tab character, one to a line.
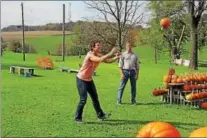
45	43
45	106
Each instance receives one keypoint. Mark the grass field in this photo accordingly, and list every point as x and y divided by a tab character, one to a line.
8	36
44	106
41	40
45	43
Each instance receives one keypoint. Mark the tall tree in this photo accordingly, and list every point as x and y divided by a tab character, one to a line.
3	46
196	10
121	16
177	33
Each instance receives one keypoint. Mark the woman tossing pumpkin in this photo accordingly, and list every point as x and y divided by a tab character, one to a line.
85	82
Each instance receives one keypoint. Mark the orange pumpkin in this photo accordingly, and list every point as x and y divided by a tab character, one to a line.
167	86
189	97
203	105
174	76
199	133
179	80
171	71
166	79
184	79
198	96
205	77
173	81
202	77
165	22
186	87
202	95
154	92
187	78
158	129
192	86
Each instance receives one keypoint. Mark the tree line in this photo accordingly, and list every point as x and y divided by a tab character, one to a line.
49	26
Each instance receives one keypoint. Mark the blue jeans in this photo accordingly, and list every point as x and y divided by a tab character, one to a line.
128	74
85	88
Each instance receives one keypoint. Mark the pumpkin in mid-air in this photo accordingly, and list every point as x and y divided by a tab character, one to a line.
165	22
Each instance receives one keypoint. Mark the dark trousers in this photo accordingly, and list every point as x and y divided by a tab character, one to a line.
128	74
89	87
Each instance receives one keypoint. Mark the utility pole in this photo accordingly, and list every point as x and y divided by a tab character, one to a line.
23	43
63	41
69	12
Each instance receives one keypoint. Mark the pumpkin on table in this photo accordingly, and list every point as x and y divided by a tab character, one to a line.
158	129
204	106
166	79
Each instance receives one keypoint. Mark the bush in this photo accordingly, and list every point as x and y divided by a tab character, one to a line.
30	49
4	46
16	47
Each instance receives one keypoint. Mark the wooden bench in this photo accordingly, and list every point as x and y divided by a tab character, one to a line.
202	63
182	62
21	70
186	63
178	62
66	69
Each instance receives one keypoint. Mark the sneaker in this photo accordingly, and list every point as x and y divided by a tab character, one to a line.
105	117
118	103
79	121
134	103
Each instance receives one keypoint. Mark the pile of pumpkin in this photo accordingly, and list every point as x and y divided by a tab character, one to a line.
194	96
166	130
196	77
159	91
45	63
190	87
162	91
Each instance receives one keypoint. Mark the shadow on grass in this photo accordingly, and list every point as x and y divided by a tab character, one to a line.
138	104
138	122
37	75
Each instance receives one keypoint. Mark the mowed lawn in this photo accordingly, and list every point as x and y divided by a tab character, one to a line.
45	43
44	106
42	41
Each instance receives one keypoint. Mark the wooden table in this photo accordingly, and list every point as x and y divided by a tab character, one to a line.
21	70
171	87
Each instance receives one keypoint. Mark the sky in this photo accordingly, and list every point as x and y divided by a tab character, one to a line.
42	12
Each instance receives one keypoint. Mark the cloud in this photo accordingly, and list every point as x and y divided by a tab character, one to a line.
43	12
39	12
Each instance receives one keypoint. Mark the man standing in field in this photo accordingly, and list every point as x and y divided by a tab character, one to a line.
129	69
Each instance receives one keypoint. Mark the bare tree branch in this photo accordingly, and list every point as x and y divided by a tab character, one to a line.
125	14
113	12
